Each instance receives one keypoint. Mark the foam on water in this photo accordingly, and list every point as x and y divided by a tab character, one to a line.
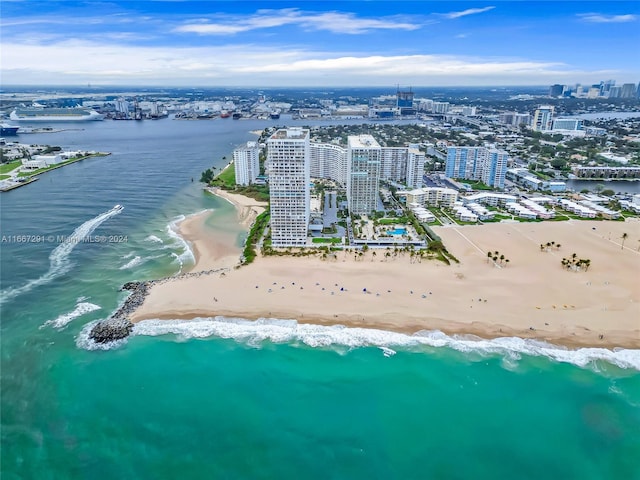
187	254
289	331
59	262
153	238
134	262
63	320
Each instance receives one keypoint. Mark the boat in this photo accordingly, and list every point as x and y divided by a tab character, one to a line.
6	129
225	115
118	208
237	116
275	115
38	114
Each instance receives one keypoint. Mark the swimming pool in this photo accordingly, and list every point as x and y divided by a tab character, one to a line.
398	231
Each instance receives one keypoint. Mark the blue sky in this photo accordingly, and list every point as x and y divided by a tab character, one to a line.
313	43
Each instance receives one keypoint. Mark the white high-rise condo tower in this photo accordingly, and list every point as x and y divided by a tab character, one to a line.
289	175
363	174
246	162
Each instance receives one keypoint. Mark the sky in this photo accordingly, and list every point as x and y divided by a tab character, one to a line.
318	43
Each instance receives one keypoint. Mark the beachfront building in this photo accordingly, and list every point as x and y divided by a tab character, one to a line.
363	174
431	196
328	160
393	163
289	175
489	198
246	162
477	163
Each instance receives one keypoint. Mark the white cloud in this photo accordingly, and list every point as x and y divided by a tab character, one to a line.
336	22
469	11
598	18
79	62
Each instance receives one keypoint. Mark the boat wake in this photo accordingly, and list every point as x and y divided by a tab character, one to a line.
255	333
59	262
63	320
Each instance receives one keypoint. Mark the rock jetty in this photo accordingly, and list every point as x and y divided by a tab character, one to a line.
118	326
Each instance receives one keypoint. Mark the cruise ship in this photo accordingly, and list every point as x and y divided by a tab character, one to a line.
33	114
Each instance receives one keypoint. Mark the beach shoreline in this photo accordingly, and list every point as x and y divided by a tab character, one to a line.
531	297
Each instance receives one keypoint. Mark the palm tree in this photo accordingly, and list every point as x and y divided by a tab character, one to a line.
541	247
506	261
373	255
624	237
587	264
501	258
558	246
489	255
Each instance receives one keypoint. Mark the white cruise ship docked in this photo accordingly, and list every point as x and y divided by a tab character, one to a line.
38	114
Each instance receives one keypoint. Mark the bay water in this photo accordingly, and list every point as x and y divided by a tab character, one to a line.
237	399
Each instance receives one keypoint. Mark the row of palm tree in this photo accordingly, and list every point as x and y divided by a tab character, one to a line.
576	264
495	256
549	245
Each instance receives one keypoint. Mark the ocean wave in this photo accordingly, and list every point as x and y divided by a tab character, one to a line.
187	254
134	262
153	238
254	333
59	262
63	320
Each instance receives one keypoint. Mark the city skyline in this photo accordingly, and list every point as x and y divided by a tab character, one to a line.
201	43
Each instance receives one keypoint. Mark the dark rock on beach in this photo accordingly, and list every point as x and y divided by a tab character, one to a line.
118	326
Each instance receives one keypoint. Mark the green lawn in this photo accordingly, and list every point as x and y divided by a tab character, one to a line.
4	177
326	240
391	221
8	167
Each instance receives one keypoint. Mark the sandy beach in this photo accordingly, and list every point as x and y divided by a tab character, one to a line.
532	296
248	208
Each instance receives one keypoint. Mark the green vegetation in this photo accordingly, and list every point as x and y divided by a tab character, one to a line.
58	165
392	221
326	240
9	167
4	177
476	185
249	252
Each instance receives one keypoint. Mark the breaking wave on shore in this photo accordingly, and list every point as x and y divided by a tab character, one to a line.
255	333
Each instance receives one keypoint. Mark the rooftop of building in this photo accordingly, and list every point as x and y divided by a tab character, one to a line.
363	141
290	134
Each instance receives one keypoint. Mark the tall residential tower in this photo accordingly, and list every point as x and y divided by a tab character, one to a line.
246	162
363	174
289	175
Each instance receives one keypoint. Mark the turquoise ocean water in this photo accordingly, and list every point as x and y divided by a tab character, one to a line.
236	399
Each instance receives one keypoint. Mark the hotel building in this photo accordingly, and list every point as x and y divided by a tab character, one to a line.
289	176
363	174
246	163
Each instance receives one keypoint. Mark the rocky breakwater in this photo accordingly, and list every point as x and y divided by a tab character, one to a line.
118	326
